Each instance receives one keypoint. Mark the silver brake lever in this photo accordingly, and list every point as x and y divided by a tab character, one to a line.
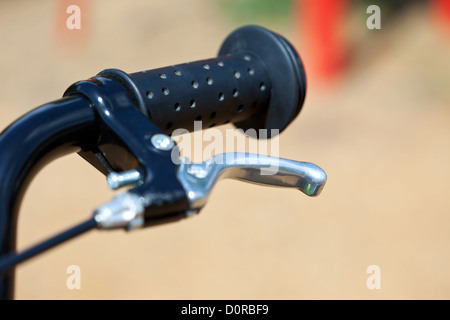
198	179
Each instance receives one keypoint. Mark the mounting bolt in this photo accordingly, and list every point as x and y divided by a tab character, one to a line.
162	142
117	180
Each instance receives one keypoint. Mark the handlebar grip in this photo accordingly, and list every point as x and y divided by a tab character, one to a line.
257	81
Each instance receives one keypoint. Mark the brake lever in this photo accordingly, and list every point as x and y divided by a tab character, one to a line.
198	179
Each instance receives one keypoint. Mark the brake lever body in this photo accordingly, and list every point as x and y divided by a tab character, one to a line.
198	179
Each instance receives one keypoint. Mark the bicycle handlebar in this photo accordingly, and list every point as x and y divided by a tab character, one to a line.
257	81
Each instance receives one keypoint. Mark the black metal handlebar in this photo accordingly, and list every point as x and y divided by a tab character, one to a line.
34	140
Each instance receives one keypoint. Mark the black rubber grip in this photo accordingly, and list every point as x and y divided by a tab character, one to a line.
257	81
216	91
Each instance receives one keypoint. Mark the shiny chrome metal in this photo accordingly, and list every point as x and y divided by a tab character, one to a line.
198	179
118	180
126	210
162	142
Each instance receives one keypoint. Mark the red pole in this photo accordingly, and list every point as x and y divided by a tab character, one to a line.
441	14
321	27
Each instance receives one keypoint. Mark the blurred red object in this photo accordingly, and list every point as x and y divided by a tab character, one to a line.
321	25
441	14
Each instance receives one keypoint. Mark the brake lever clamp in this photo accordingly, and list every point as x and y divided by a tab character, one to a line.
131	151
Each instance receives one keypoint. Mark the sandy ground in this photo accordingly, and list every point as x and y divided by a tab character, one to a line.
381	134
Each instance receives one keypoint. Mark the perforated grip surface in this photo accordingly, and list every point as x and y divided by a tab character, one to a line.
257	81
216	91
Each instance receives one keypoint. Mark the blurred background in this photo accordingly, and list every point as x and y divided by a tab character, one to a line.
376	118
